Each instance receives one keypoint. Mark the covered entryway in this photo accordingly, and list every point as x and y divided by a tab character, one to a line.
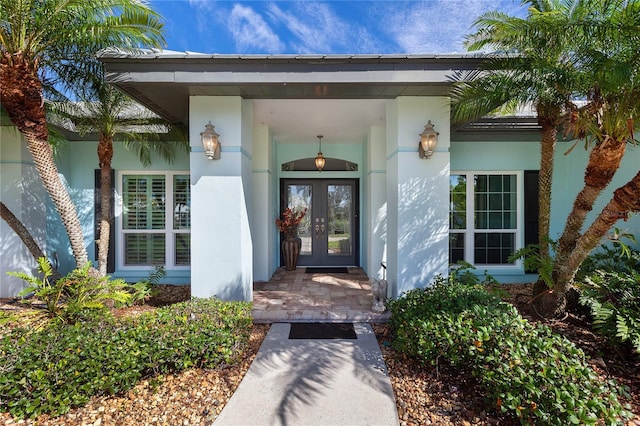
269	111
330	229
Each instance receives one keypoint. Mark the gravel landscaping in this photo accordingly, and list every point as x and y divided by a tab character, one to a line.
424	395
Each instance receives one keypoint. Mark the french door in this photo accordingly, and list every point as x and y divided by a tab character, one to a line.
330	229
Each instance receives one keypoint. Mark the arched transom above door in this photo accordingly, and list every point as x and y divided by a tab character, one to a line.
309	165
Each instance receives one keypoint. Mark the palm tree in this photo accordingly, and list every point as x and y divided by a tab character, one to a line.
530	69
44	46
607	120
115	116
596	58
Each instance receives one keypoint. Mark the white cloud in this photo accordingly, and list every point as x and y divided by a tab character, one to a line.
305	23
438	26
251	32
315	27
307	27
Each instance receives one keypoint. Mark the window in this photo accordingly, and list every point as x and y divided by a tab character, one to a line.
483	217
156	220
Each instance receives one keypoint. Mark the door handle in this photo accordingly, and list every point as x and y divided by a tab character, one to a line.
317	229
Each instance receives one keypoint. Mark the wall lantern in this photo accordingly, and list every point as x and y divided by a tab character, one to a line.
320	160
210	142
428	141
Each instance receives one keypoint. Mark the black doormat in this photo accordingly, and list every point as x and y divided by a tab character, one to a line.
322	330
334	270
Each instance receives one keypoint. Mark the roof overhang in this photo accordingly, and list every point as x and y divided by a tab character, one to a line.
163	81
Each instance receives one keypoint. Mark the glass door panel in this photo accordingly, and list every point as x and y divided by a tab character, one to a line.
339	215
299	197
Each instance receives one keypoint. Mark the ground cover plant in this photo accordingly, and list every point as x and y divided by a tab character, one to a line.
609	285
71	296
523	370
58	366
424	394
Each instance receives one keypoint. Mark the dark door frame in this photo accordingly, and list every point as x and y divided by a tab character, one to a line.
356	208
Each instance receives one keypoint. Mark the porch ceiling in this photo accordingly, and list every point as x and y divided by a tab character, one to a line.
294	112
300	121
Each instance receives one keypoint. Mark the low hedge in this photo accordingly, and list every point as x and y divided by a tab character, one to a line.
62	366
523	370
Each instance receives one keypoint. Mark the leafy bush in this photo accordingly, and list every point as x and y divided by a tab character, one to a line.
618	256
189	334
614	301
523	370
534	262
464	272
64	365
42	288
143	290
80	290
609	284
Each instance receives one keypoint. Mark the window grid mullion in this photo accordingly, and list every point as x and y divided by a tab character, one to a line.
162	186
471	224
169	244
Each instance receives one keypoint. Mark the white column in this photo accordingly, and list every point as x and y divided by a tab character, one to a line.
376	198
417	194
263	227
221	246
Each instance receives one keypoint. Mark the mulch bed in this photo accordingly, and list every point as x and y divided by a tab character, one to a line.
424	395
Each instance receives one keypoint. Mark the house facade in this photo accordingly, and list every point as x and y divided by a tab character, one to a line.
211	222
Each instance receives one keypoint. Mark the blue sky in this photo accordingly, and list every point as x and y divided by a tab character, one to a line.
308	27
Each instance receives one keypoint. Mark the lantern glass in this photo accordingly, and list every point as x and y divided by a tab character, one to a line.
210	142
320	162
428	141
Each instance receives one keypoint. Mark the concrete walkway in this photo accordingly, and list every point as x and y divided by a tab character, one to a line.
314	382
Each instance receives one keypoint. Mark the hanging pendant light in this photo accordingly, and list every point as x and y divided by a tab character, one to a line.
320	160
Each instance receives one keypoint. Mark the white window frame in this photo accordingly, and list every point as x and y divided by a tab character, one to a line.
169	230
470	222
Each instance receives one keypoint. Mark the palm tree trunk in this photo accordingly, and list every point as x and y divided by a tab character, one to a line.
27	239
604	161
46	166
626	199
545	179
22	232
105	154
21	96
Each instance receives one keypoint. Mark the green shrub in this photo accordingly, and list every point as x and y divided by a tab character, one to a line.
143	290
614	301
609	284
64	365
616	256
523	370
50	293
420	309
187	334
78	291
